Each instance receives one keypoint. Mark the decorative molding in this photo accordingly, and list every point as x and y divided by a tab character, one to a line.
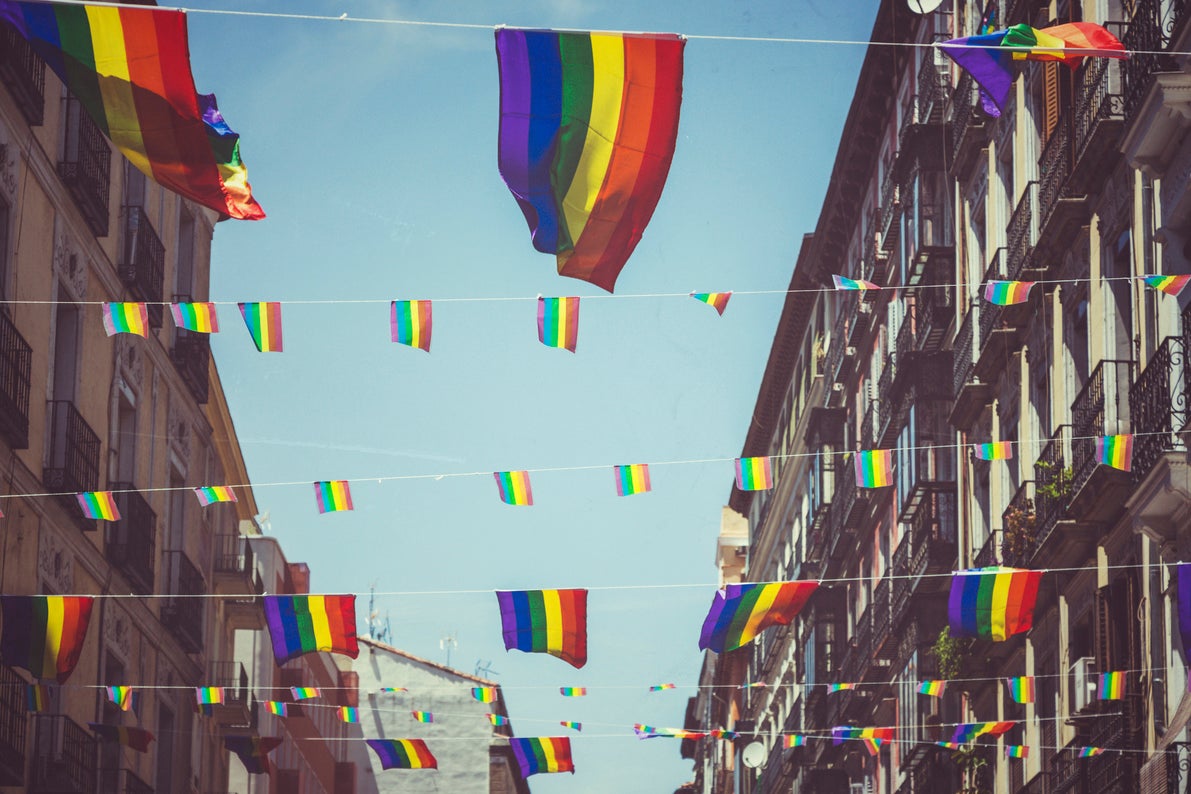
178	432
117	633
55	563
70	266
8	167
131	358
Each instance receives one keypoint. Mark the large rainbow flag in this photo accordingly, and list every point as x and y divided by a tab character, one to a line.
403	753
546	621
588	123
253	751
543	754
130	68
44	634
300	624
739	612
992	602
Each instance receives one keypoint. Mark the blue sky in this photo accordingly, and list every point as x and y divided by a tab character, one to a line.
373	150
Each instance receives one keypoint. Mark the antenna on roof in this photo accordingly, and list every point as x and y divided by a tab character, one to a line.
484	669
448	642
378	633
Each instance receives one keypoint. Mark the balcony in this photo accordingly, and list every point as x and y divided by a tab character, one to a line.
1061	214
1022	235
890	213
875	267
934	311
969	126
927	208
986	555
1144	36
73	462
14	722
1039	784
142	262
122	781
63	759
849	505
1098	121
236	708
16	357
1052	496
1158	406
131	541
928	470
190	354
182	612
972	394
932	533
1098	492
816	541
825	427
899	566
1019	536
23	72
884	641
86	166
1116	772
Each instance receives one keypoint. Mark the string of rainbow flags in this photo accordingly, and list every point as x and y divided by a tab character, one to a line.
411	322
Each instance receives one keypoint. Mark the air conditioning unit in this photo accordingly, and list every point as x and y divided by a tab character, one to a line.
1083	684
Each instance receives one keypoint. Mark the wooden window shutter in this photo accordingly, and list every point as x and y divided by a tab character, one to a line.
1050	90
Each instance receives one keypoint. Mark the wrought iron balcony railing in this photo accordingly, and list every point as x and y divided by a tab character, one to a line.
122	781
14	722
1159	405
182	612
132	541
190	354
232	677
73	462
1019	533
884	643
24	74
63	758
890	213
1052	483
1022	233
16	357
142	262
86	166
899	566
968	124
1054	169
1098	121
986	556
1100	409
965	359
1144	37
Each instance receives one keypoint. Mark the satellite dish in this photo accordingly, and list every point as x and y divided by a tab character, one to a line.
754	755
923	6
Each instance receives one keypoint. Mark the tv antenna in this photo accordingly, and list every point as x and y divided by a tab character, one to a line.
375	630
484	669
448	642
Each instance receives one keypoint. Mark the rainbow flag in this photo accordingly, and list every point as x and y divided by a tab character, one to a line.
1017	751
514	488
992	602
253	751
874	468
1007	293
393	689
208	695
211	494
484	694
872	737
497	719
948	745
130	69
423	716
37	698
662	687
403	753
754	474
277	708
44	634
1090	752
739	612
126	318
968	732
1021	689
578	726
793	740
716	300
754	685
997	450
120	695
989	57
546	621
301	624
543	754
349	714
933	688
303	693
333	496
1112	686
1171	285
1115	451
133	738
831	688
845	284
411	323
558	322
588	123
197	317
99	504
572	691
264	324
632	479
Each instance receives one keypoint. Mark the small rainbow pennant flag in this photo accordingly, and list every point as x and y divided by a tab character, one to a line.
333	496
578	726
37	697
121	696
793	740
277	708
1090	752
264	324
1007	293
484	694
948	745
842	283
1112	686
514	487
839	687
572	691
754	685
126	318
874	468
754	474
1021	689
558	322
349	714
1171	285
716	300
391	689
662	687
933	688
303	692
498	719
1115	451
211	494
996	450
99	504
632	479
1017	751
423	716
208	695
411	323
197	317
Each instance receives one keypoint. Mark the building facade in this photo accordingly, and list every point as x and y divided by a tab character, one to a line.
1080	186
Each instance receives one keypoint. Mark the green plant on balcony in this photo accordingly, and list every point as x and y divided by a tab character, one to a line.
1019	531
972	763
1056	487
951	653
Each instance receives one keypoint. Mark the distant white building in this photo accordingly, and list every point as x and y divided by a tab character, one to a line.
473	755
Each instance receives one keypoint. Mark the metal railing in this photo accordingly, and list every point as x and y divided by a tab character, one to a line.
900	567
190	354
964	360
1054	167
966	120
990	313
1098	102
183	615
16	358
1052	483
122	781
132	541
1144	35
1100	409
1159	406
14	722
142	262
890	211
1022	232
233	678
1019	532
86	166
73	462
63	760
987	555
24	74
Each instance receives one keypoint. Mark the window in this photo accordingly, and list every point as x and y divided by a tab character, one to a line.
66	344
123	443
184	271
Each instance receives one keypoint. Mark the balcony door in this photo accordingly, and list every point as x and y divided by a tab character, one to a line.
165	749
66	348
